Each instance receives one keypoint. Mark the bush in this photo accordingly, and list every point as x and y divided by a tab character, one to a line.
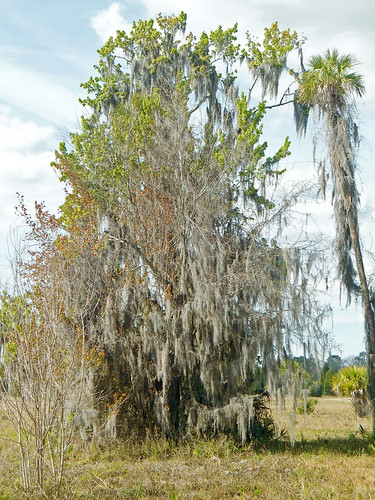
316	390
349	379
310	406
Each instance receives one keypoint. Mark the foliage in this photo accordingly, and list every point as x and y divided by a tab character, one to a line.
328	382
311	379
333	362
349	379
360	359
331	80
306	406
308	363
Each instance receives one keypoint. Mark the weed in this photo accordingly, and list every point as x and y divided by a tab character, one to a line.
175	496
305	407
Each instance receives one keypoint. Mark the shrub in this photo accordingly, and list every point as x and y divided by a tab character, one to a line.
309	408
349	379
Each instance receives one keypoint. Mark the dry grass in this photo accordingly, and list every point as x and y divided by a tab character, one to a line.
331	459
332	418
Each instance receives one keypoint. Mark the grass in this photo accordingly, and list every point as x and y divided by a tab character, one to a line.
331	459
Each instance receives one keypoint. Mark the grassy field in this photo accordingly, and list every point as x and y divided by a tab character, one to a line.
330	459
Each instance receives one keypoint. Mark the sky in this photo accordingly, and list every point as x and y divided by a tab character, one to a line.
47	48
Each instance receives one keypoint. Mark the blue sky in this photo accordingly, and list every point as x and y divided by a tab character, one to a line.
47	48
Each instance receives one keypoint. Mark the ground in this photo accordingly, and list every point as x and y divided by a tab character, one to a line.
331	458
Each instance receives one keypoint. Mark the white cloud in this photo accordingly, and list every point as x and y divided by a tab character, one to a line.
37	93
17	168
107	21
208	15
25	157
18	135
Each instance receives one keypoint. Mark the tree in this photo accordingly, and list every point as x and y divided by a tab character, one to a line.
165	254
360	359
330	86
327	382
46	362
333	362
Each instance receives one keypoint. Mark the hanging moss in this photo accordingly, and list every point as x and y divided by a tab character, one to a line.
181	285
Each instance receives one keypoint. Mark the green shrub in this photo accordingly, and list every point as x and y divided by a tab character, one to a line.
349	379
310	406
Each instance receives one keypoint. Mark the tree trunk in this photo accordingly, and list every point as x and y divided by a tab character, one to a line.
368	309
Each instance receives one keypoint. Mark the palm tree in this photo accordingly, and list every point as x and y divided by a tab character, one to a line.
330	87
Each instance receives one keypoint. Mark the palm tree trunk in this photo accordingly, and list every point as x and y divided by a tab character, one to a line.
369	318
344	177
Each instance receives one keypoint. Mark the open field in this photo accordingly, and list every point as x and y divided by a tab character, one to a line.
330	459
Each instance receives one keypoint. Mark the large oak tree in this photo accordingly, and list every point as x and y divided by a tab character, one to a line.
165	258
